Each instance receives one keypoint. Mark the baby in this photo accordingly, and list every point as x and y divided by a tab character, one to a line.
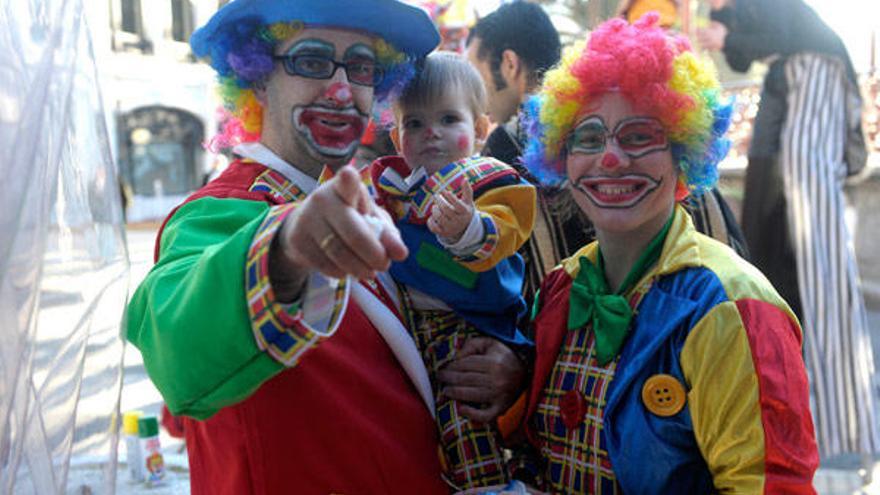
463	217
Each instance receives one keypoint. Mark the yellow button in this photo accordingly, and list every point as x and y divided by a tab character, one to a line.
663	395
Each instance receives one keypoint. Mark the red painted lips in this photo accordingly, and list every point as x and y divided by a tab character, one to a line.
617	191
333	129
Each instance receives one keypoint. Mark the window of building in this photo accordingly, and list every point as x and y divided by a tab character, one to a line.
127	24
160	150
132	22
181	20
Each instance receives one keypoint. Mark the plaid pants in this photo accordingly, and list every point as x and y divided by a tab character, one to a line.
471	454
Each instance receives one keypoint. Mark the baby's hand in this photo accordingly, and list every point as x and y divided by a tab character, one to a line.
451	216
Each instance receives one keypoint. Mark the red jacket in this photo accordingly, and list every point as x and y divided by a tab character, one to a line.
346	419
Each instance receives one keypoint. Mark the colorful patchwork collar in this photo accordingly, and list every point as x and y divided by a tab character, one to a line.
282	180
396	183
259	153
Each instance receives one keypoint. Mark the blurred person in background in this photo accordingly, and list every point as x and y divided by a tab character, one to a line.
807	139
375	143
512	48
632	10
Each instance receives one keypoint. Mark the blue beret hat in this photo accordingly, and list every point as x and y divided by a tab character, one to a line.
407	28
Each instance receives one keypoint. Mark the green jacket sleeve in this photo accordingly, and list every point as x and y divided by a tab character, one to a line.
189	317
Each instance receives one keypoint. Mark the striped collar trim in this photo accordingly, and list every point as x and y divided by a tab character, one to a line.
259	153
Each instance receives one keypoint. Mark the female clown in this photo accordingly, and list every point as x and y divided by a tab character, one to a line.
665	363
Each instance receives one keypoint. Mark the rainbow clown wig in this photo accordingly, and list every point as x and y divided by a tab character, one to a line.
658	73
240	39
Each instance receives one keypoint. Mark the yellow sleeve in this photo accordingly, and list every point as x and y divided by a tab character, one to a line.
508	215
724	400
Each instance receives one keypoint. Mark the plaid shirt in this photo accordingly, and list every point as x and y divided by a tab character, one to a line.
577	460
568	420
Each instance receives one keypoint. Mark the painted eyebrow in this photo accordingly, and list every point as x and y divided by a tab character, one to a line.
359	50
590	120
312	45
637	120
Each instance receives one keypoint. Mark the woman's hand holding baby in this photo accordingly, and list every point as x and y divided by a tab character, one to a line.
451	215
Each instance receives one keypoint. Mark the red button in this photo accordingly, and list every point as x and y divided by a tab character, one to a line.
573	407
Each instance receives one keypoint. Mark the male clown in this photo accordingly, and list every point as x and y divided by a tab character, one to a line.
267	321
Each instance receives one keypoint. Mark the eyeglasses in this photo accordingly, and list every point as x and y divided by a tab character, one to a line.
636	137
363	72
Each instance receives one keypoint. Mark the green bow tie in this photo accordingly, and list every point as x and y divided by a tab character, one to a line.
590	301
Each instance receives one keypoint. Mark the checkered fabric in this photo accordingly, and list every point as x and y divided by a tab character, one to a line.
327	174
414	205
470	454
576	458
477	170
490	240
281	189
282	329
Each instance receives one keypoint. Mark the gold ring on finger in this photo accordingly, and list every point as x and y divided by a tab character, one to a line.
326	241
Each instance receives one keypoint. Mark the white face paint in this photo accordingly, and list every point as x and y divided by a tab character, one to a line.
623	191
623	180
312	122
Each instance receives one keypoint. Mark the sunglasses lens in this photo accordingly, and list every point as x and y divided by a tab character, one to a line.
364	72
312	66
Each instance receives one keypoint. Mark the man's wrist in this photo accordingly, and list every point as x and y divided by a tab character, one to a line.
288	280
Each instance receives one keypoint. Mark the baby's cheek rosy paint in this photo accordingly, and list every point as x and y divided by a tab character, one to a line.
409	143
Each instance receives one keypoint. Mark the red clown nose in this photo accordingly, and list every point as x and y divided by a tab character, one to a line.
610	160
339	94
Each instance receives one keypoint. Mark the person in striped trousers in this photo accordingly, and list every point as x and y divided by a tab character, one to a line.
807	140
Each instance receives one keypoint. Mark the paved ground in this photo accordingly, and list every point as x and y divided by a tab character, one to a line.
838	476
138	393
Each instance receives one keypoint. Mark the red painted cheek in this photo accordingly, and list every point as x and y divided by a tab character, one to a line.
610	160
339	93
408	143
464	144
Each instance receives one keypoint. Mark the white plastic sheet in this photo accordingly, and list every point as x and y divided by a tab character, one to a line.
63	260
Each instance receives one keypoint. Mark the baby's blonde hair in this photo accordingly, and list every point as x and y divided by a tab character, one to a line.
439	73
